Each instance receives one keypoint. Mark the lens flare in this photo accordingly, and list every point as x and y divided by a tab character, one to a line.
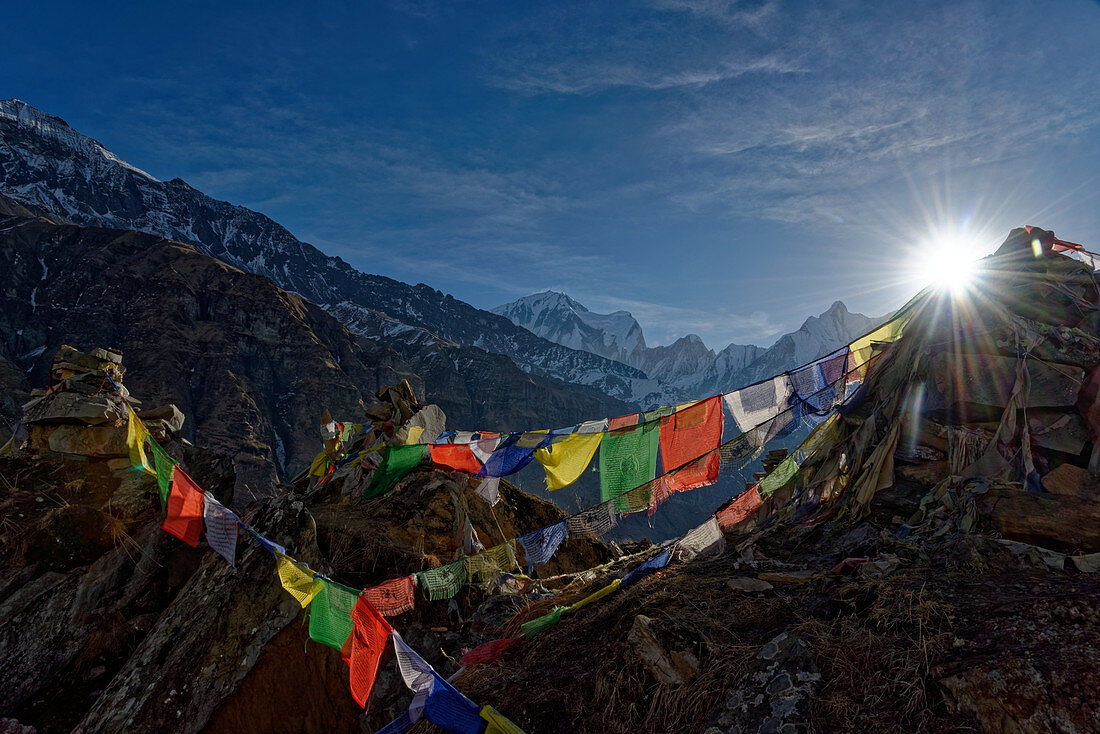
947	262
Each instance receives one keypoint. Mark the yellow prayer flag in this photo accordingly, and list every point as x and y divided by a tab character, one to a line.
613	586
297	580
319	467
530	439
567	459
136	436
415	432
485	565
863	348
497	723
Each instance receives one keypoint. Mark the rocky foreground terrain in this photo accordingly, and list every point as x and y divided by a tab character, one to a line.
930	566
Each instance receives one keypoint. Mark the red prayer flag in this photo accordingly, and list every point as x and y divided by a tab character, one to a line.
736	511
185	505
455	456
623	421
687	436
391	597
487	652
364	647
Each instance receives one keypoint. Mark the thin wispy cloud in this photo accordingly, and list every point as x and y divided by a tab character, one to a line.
713	166
590	78
730	12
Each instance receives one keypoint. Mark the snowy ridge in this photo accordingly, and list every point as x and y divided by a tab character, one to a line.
57	129
687	368
47	164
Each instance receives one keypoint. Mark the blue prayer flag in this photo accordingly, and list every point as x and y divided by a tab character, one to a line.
400	725
450	710
653	564
539	546
513	453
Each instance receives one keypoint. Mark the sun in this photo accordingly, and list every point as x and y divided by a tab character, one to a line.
947	261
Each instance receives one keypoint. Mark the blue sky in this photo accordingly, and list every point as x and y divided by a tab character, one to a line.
722	168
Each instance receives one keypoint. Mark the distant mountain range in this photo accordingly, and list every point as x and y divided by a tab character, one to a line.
578	355
46	164
687	368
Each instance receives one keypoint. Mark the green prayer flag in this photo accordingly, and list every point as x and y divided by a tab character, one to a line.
330	620
398	461
164	464
544	622
779	476
443	582
628	458
657	414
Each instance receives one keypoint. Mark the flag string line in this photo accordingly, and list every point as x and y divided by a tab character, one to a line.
275	548
269	545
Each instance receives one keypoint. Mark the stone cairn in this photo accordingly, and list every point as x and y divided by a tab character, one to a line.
81	414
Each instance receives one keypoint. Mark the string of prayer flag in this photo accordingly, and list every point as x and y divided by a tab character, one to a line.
487	652
136	436
392	597
539	546
486	565
330	614
591	523
565	460
688	439
443	582
514	453
297	580
221	528
164	465
455	456
496	723
628	458
368	639
541	623
184	516
652	565
397	462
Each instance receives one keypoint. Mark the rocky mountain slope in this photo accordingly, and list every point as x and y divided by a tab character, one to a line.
253	364
686	369
931	565
45	163
108	623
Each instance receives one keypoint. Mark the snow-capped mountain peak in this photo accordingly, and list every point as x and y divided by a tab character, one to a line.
561	319
55	128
